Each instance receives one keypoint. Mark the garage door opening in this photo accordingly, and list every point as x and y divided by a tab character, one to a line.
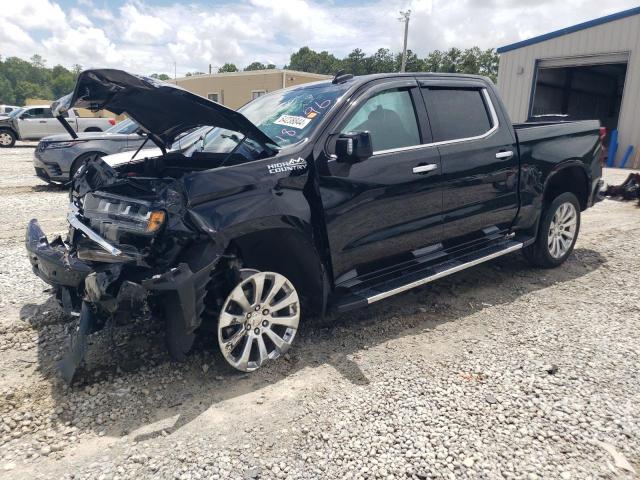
579	92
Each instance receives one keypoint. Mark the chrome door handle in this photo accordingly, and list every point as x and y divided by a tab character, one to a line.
425	168
504	155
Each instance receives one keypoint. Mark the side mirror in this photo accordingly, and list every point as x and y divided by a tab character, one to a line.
354	147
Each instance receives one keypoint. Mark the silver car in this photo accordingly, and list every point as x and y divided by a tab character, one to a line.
57	157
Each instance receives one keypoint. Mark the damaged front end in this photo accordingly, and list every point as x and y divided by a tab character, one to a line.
132	248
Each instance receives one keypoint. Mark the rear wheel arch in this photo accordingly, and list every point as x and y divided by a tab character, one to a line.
572	178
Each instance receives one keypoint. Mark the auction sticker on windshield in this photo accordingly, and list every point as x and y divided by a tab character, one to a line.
293	121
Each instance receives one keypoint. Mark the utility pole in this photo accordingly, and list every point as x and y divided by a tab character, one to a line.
175	73
404	17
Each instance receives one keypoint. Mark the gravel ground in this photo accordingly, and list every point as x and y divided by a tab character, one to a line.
502	371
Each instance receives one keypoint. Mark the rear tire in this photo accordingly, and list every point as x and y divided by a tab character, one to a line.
557	232
7	138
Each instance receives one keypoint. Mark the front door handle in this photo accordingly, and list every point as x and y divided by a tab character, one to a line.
425	168
42	121
504	155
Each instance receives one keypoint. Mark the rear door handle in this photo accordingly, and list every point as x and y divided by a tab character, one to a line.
504	155
42	121
425	168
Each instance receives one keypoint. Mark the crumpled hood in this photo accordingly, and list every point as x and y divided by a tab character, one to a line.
162	109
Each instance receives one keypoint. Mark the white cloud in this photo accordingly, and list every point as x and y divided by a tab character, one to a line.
33	14
80	19
145	37
15	39
140	27
88	46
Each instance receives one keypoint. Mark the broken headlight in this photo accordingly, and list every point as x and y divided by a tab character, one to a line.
111	215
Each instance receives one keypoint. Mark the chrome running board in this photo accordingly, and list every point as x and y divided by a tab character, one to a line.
448	270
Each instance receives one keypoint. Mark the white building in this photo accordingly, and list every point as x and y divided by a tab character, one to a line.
590	70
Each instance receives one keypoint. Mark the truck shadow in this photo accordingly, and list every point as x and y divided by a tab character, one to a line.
138	370
49	187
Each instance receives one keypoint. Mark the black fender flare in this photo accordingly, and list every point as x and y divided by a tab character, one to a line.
573	162
284	244
558	168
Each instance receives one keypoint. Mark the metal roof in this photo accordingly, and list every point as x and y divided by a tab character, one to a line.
572	29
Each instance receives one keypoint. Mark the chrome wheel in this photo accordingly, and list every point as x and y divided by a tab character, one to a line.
562	230
5	139
258	320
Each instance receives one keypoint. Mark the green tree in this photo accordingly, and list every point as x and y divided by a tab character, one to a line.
382	61
355	62
414	64
25	89
307	60
62	81
6	91
228	67
271	66
451	60
160	76
255	66
433	61
488	63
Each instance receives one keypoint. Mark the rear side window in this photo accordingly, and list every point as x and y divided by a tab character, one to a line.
456	113
390	118
39	113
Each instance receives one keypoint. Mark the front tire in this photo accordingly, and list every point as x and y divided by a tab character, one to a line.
557	232
258	320
7	138
81	160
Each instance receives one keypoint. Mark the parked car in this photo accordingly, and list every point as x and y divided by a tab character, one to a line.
57	158
183	143
7	109
37	121
330	195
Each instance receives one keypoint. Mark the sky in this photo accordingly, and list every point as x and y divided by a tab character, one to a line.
150	36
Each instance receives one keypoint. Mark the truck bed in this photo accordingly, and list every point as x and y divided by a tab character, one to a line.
537	131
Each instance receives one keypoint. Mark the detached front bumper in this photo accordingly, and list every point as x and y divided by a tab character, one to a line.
51	261
97	290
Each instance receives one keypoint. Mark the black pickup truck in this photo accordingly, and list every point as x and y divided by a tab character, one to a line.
326	196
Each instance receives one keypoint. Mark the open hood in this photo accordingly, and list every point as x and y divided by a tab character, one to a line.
162	109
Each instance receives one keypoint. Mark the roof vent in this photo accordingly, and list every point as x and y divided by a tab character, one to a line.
341	77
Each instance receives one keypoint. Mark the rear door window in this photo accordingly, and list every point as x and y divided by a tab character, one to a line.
390	118
456	113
